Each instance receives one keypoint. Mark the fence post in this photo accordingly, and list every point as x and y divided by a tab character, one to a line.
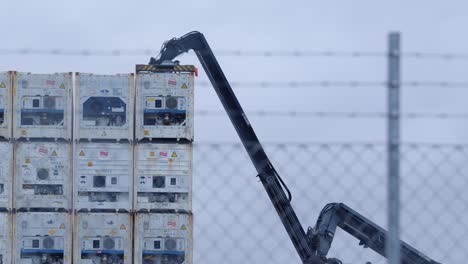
393	147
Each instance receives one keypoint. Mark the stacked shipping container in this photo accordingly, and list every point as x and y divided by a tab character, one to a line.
163	165
42	193
103	175
6	167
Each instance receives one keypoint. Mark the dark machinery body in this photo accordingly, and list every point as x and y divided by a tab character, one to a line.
313	245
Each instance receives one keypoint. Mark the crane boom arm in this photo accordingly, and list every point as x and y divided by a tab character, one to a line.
314	245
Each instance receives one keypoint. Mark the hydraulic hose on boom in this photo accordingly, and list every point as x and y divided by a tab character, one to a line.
314	245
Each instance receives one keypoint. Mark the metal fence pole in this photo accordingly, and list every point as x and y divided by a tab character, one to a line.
393	238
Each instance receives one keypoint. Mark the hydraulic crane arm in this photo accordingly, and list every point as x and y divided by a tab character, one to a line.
312	246
268	176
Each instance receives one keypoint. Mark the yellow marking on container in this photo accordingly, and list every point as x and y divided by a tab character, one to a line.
52	232
146	132
90	163
152	154
2	85
113	232
151	99
62	86
23	132
174	155
123	227
62	226
54	153
184	86
183	227
27	161
82	153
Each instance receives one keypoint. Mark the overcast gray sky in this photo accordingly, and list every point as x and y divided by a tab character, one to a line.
433	26
359	25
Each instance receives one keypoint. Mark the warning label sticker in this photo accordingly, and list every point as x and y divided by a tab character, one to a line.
54	153
123	227
184	86
62	86
2	85
174	155
82	153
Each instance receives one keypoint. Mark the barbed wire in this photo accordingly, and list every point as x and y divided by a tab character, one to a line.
235	53
329	114
350	84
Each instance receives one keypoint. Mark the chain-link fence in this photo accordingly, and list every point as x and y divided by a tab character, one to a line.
236	223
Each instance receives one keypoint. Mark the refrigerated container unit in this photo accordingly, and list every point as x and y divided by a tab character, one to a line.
163	177
104	106
103	176
5	237
6	175
102	238
163	238
42	105
5	105
165	104
43	237
43	175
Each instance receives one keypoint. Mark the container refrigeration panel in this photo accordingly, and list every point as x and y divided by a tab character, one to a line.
6	175
42	105
164	105
5	105
43	237
102	238
103	176
163	238
104	106
43	175
5	237
163	177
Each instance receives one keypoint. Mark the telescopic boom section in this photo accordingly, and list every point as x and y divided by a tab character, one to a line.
269	177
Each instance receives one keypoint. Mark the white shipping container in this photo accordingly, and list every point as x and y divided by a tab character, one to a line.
164	105
5	105
163	177
5	237
6	175
42	105
163	238
103	176
104	106
102	238
43	175
43	237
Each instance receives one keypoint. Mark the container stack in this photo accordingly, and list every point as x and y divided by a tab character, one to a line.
103	160
42	193
163	164
6	166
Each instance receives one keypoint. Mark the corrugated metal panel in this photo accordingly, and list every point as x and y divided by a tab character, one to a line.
5	105
5	237
103	176
163	238
42	105
103	238
6	174
164	105
163	176
104	106
43	175
43	237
